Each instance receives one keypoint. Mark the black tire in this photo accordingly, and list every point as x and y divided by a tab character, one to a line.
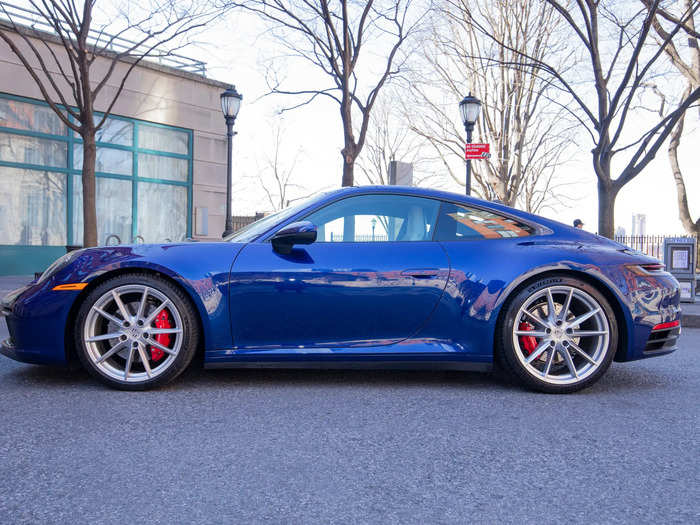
189	330
507	353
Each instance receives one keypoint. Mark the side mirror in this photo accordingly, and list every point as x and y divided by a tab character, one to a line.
302	232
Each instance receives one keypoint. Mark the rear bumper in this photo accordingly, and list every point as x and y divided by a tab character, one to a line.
651	300
662	341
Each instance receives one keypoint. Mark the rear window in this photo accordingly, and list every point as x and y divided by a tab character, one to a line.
461	223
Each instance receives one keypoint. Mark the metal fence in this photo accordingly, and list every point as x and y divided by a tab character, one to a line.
649	244
240	221
360	238
22	16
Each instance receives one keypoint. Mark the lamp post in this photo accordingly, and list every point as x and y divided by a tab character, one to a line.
469	108
230	104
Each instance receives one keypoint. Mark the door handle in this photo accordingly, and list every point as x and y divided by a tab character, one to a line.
421	273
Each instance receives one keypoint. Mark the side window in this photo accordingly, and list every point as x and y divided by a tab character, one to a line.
460	223
376	218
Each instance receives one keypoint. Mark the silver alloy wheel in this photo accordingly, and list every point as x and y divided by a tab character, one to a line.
571	335
119	329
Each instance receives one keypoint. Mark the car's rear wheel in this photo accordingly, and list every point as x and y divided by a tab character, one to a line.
136	331
558	335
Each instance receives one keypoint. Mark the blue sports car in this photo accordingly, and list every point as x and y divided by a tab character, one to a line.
385	277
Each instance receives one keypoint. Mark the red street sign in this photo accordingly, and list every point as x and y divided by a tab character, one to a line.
477	151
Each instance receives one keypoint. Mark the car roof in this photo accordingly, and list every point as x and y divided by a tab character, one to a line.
322	199
429	192
554	225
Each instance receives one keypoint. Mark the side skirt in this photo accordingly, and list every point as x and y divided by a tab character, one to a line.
356	365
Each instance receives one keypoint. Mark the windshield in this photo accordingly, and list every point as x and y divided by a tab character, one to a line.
250	232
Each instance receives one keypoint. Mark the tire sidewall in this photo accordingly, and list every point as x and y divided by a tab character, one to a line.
178	299
507	352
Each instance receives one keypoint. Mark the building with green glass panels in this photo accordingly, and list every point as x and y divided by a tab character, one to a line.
161	169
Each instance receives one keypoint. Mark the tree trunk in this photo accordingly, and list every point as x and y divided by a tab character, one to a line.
348	170
89	200
689	225
606	209
348	180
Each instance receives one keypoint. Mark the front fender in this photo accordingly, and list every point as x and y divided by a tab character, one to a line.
200	269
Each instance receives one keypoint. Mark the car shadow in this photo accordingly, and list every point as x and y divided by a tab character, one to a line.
634	376
339	377
196	378
617	379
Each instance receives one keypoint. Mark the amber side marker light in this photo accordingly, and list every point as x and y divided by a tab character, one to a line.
72	286
666	326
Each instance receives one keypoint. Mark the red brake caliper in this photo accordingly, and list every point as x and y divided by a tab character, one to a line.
162	321
528	342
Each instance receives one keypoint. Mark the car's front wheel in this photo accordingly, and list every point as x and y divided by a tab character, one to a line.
136	331
558	335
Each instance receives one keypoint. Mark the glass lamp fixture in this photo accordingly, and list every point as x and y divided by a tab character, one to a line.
231	102
469	108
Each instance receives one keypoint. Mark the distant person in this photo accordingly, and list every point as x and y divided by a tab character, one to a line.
578	223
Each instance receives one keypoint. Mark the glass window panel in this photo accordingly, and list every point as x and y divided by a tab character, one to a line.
376	218
115	131
33	150
113	211
459	223
32	207
162	212
25	115
163	139
108	160
159	167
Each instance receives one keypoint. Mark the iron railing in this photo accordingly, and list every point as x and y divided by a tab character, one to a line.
240	221
22	16
649	244
360	238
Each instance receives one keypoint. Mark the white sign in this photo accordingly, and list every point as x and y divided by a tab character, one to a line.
679	259
686	290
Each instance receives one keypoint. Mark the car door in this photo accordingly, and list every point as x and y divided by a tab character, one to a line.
373	277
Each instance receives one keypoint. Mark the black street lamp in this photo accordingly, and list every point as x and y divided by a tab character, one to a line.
469	108
230	104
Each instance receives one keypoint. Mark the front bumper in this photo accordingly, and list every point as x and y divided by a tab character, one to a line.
36	323
8	349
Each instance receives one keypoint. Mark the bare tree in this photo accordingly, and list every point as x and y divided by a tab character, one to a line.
331	37
528	135
75	70
619	64
277	176
390	138
689	68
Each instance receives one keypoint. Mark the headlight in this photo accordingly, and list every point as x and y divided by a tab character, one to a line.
59	263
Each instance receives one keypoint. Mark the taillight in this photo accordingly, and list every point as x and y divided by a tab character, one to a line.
666	326
646	269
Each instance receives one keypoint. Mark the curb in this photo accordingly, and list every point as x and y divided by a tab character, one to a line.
690	321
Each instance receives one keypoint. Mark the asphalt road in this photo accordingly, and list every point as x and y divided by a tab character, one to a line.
352	447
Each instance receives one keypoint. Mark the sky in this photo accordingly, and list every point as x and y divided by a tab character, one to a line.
237	50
